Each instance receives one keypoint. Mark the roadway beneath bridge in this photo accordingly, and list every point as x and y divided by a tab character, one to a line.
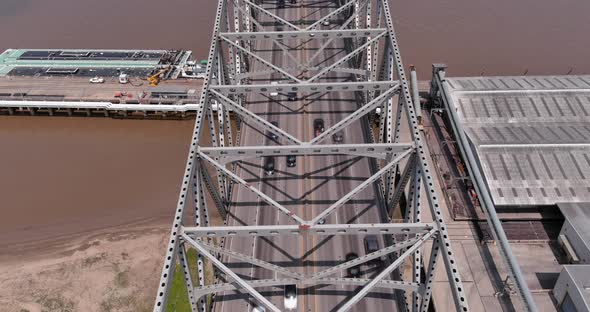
309	187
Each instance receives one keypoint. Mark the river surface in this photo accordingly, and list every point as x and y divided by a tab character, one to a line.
65	176
62	176
471	36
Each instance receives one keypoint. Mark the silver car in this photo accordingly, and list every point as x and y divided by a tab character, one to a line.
338	137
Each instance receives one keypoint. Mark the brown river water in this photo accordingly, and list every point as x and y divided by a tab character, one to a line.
63	176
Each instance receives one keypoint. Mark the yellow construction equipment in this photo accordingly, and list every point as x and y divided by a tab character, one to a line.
155	78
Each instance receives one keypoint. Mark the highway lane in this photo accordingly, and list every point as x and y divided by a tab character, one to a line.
253	210
328	178
340	174
282	250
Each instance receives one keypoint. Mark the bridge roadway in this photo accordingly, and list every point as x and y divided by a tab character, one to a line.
307	189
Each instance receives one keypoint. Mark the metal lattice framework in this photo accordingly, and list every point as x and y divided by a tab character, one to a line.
236	71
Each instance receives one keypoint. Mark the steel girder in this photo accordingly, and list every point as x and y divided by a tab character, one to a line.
384	85
275	41
330	41
252	74
173	241
359	188
330	15
255	190
324	230
365	290
306	34
217	263
417	136
252	117
345	86
364	110
254	261
384	284
380	151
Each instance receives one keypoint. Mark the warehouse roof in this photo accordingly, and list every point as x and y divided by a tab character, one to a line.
531	135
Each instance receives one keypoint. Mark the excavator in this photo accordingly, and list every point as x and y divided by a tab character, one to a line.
155	78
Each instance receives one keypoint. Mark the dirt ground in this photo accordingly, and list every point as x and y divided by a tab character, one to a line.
114	270
87	251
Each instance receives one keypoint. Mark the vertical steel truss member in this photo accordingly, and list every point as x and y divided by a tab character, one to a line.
377	76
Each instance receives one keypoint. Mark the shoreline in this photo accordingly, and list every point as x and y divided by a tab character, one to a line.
68	244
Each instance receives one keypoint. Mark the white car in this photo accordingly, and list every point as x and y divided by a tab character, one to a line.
96	80
274	93
258	309
326	22
290	297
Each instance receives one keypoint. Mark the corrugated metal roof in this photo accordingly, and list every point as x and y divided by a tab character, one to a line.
531	134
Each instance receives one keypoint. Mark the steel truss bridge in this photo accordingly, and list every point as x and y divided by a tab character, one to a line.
341	61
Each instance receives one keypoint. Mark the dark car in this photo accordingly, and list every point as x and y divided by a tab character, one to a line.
372	245
318	126
338	137
291	160
292	96
272	135
269	165
280	37
281	3
355	271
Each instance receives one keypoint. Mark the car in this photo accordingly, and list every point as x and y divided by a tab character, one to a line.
326	22
318	126
258	309
290	297
338	137
281	3
291	160
96	80
280	36
355	271
273	135
274	93
372	245
123	78
322	221
269	165
292	96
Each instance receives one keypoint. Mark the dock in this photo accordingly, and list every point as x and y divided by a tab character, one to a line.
111	83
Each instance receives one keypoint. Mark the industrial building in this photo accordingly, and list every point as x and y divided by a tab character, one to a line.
524	141
90	63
